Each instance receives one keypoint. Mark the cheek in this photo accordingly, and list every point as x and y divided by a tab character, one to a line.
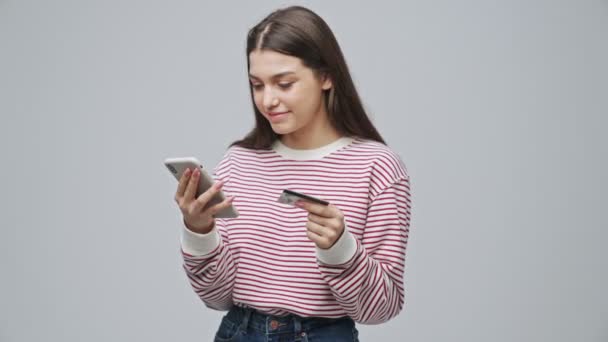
305	102
258	100
290	101
299	97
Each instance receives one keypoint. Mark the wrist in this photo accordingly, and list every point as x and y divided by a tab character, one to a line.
201	230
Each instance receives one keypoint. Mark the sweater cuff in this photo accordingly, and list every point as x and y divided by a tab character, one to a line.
197	244
341	252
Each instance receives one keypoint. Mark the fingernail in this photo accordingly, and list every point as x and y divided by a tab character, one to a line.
187	172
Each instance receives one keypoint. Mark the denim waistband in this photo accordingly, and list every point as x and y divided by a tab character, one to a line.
248	318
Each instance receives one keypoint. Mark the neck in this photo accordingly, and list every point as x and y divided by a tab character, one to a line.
317	134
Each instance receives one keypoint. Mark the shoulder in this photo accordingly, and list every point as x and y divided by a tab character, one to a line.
385	161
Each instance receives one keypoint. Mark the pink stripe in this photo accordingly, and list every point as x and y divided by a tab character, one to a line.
267	262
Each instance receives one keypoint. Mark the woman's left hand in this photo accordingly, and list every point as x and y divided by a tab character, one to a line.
325	223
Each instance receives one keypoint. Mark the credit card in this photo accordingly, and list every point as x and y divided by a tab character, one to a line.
290	197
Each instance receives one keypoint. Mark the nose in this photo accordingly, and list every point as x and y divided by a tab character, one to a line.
269	100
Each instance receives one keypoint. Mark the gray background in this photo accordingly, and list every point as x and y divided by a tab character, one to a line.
498	108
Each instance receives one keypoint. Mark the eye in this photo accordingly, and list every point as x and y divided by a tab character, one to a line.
285	85
257	86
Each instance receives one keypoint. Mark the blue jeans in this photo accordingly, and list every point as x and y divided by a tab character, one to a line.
244	324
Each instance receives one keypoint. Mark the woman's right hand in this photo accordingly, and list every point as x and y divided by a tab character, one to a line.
195	218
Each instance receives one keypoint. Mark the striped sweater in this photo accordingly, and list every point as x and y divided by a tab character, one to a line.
264	260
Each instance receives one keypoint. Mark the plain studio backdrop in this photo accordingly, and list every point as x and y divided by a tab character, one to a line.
498	109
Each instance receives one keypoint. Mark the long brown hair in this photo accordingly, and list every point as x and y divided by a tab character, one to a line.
299	32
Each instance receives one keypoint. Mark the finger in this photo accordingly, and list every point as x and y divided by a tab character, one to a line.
315	208
333	211
329	233
221	206
317	239
335	223
192	185
317	229
325	211
206	196
181	186
323	221
321	241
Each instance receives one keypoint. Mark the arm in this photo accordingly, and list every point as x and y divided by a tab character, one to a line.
208	261
210	266
366	277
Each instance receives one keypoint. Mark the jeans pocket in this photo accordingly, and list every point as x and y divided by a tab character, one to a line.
227	331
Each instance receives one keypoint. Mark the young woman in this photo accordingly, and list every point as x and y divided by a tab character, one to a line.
306	272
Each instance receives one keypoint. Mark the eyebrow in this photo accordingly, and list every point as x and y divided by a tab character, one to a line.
281	74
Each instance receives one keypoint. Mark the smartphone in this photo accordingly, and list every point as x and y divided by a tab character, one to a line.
177	167
290	197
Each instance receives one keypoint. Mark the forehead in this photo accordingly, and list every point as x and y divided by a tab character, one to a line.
267	63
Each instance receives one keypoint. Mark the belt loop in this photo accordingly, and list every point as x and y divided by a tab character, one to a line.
297	327
246	316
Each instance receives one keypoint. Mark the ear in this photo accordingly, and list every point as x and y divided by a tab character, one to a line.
327	83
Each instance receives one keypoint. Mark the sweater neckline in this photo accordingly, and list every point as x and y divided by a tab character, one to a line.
310	154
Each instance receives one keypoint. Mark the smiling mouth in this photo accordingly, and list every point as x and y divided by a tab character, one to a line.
275	114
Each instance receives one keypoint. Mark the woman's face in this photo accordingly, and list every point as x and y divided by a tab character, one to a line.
286	92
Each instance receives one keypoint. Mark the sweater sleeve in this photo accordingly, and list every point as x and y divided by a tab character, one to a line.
366	276
208	261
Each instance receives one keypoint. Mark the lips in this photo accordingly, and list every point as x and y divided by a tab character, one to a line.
277	117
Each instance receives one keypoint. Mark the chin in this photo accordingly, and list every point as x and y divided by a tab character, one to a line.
282	129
